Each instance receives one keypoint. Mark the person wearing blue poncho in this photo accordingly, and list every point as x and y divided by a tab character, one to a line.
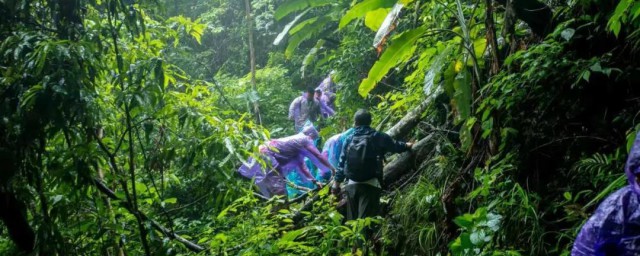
614	229
333	147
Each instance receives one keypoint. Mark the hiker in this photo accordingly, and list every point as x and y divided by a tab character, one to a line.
328	89
333	147
325	109
614	228
286	155
304	108
361	163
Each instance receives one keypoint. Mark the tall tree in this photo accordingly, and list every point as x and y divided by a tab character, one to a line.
252	59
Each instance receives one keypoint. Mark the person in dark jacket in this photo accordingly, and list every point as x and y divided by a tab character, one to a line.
363	197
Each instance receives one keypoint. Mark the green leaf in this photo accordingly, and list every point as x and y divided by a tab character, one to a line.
172	200
401	49
596	67
291	235
305	34
487	127
462	95
464	221
567	34
302	25
296	5
479	45
57	199
361	9
374	19
310	57
586	75
286	29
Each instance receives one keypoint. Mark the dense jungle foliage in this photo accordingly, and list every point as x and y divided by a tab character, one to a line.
123	122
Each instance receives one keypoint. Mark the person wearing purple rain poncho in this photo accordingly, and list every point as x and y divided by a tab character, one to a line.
325	109
286	155
614	229
304	108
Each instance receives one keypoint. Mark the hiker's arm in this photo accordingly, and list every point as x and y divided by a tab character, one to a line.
394	146
323	160
305	171
343	159
327	109
339	178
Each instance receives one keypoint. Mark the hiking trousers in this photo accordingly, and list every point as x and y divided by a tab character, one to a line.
363	200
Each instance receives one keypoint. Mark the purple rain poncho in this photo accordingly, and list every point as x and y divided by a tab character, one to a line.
614	229
327	87
284	156
325	109
303	110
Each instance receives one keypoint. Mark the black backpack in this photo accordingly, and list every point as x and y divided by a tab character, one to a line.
362	158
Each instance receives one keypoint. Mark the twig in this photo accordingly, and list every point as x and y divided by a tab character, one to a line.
567	138
189	204
111	194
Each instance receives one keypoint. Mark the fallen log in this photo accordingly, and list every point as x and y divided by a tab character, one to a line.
409	121
111	194
406	162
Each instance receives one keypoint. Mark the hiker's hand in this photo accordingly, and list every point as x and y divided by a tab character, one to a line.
335	189
319	184
409	145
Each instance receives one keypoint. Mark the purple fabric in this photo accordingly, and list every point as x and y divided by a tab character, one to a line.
267	179
284	155
302	110
325	109
614	229
327	85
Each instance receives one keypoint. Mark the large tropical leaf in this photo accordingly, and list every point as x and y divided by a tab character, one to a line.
286	29
296	5
360	10
401	48
374	19
310	29
310	57
302	25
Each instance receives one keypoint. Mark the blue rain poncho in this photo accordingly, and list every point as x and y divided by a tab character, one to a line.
333	147
614	229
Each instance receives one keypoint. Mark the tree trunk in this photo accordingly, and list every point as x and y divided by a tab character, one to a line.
107	201
252	58
409	121
406	162
494	66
